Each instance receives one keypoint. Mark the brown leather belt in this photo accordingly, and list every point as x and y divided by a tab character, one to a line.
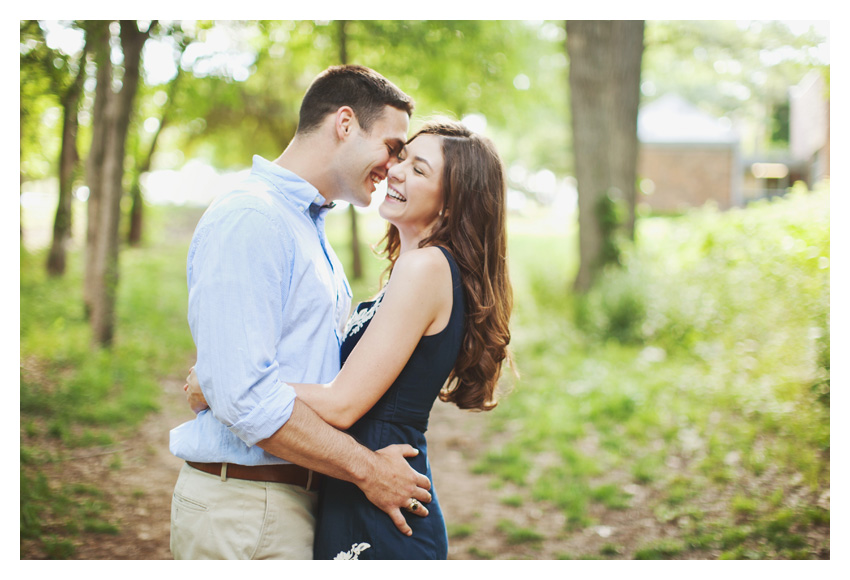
283	473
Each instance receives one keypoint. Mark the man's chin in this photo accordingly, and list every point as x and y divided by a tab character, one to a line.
364	200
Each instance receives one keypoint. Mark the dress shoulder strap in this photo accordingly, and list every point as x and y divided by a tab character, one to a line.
453	265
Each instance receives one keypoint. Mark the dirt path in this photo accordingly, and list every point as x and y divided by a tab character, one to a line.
456	441
140	494
140	490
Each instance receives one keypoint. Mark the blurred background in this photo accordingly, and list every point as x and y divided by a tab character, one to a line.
669	251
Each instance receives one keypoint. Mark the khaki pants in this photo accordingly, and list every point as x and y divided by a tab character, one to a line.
236	519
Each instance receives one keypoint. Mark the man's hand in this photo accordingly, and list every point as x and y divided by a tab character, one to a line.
194	395
393	484
384	476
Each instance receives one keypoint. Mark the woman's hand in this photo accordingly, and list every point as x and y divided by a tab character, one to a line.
194	396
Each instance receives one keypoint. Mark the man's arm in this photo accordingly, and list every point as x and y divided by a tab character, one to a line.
305	439
384	476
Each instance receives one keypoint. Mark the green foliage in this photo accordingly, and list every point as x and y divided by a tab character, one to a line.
34	494
45	72
55	513
242	81
689	371
772	267
512	72
449	67
611	214
101	387
764	533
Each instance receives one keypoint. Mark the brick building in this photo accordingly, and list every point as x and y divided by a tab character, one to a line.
686	157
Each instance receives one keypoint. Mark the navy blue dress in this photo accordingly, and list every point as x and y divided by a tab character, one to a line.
348	525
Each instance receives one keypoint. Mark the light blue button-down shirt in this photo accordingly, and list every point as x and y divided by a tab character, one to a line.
268	301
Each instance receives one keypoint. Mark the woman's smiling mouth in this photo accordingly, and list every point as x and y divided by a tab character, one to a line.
391	192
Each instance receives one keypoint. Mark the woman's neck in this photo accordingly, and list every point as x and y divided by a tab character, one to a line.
409	241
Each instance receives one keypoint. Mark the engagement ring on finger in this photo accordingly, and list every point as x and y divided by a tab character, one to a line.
414	505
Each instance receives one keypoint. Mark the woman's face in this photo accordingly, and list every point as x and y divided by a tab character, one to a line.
414	187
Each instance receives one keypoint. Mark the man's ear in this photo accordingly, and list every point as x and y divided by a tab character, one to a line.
345	122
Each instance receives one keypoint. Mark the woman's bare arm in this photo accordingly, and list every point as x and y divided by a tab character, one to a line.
417	294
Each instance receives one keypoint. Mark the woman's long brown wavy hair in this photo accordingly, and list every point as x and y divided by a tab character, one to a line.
472	227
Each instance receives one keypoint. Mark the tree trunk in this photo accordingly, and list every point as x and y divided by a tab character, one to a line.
68	160
605	60
134	236
356	262
116	116
98	34
137	213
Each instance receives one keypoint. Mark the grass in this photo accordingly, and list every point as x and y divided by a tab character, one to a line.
515	534
514	500
660	550
457	531
73	395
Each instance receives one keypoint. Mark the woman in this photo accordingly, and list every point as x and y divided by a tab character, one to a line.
439	328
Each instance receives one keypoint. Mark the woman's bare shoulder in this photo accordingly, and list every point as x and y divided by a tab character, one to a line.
422	263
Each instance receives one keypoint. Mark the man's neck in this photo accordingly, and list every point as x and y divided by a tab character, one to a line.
301	159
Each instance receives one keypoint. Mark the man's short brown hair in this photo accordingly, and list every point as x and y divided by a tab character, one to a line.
359	87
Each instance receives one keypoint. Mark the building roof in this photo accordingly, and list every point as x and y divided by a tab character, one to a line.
673	120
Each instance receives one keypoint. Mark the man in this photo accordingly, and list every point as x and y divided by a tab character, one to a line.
268	300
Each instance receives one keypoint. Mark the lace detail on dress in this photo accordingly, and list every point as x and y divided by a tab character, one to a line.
354	552
359	318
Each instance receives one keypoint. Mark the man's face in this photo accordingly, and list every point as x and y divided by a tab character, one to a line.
369	155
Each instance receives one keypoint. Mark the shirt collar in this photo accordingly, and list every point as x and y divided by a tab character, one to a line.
295	189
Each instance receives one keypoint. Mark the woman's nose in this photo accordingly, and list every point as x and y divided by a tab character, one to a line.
395	173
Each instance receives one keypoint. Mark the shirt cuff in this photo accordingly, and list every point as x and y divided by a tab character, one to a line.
267	417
